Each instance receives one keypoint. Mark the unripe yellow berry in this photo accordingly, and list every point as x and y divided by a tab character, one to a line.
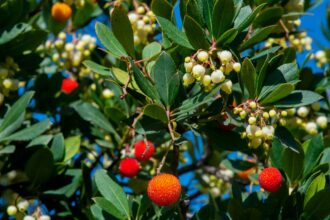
253	105
282	122
272	113
265	115
284	113
252	120
11	210
242	114
140	10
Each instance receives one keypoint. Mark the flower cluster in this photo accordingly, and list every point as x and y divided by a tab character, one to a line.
70	55
210	69
7	82
143	24
260	123
299	41
21	209
216	181
321	58
307	118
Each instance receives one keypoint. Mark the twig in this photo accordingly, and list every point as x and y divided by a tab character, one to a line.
286	30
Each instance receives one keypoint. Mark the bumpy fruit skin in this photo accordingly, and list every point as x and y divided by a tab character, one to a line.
140	150
68	85
164	189
61	12
129	167
270	179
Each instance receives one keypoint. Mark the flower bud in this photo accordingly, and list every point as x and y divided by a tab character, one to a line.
23	205
69	47
242	114
188	79
252	120
253	105
237	67
316	106
202	56
311	128
198	71
265	115
7	83
284	113
133	18
107	93
303	111
255	143
188	66
55	57
62	35
227	87
259	134
322	122
272	113
291	111
11	210
206	80
225	56
140	10
217	76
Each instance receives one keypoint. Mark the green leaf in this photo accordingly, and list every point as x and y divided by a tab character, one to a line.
318	206
58	147
286	139
109	207
41	140
228	37
317	185
156	112
144	83
39	167
151	50
174	33
72	146
208	14
268	16
7	150
223	15
246	16
195	33
195	10
280	92
257	36
162	8
97	68
298	98
84	14
262	75
248	75
167	78
122	29
94	116
313	149
265	52
109	41
14	114
292	163
30	132
285	73
112	192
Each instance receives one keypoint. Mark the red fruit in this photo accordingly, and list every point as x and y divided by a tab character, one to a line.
270	179
68	85
142	152
164	189
129	167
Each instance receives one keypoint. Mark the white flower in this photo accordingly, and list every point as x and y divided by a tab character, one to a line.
322	121
202	56
206	80
188	66
188	79
251	130
303	111
107	93
311	128
217	76
69	47
237	67
11	210
198	71
225	56
227	87
255	142
23	205
133	18
268	132
320	54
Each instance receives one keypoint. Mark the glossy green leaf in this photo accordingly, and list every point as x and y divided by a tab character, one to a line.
7	150
39	167
109	207
208	14
223	15
162	8
29	133
287	139
313	149
41	140
246	16
151	50
268	16
298	98
156	112
248	76
174	33
112	192
292	163
318	206
257	36
280	92
58	147
109	41
122	29
72	146
228	37
317	185
97	68
195	33
167	78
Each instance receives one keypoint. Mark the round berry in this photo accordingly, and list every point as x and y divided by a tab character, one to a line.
129	167
270	179
142	151
68	85
11	210
164	189
61	12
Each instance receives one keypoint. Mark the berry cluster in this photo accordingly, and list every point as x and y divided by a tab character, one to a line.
299	41
7	82
260	124
216	182
21	207
321	58
70	55
210	69
143	150
143	24
308	118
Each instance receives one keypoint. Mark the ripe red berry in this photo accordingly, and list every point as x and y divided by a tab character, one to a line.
61	12
270	179
142	152
129	167
164	189
68	85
